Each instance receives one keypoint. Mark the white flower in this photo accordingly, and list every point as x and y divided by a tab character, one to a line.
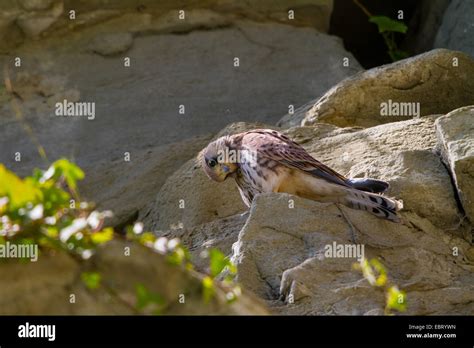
173	243
50	220
36	213
138	228
94	220
76	226
160	245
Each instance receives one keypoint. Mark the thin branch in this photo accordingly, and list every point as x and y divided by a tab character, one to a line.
362	7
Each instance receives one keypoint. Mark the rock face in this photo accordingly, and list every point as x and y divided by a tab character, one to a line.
220	233
45	287
314	13
188	198
424	25
456	139
394	152
164	66
235	63
35	5
401	153
127	187
279	246
22	20
286	257
112	43
45	280
33	23
396	92
457	29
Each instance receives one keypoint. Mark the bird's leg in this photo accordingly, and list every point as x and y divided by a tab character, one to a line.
351	226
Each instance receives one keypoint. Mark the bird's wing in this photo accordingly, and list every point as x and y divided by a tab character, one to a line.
278	147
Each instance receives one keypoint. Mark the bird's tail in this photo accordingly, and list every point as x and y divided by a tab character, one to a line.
382	207
369	185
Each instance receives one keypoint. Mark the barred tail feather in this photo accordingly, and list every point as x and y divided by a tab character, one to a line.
382	207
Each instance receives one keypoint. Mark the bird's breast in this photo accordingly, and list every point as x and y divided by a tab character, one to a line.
262	175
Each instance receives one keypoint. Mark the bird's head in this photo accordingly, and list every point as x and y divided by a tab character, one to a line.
218	159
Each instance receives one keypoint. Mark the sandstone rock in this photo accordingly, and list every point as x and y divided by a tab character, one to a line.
7	21
98	16
278	249
357	101
171	22
111	44
420	179
167	71
146	16
38	287
194	19
126	187
122	273
392	152
286	257
219	234
456	140
35	5
457	29
44	287
8	5
311	15
9	31
34	23
314	13
99	145
33	26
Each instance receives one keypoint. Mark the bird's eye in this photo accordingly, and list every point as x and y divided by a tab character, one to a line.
212	162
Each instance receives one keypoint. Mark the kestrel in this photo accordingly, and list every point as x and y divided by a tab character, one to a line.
264	160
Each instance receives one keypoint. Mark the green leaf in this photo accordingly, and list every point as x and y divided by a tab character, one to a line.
386	24
91	279
36	176
373	271
146	298
218	262
51	231
178	256
71	172
54	198
208	290
380	271
103	236
396	299
144	238
141	293
19	192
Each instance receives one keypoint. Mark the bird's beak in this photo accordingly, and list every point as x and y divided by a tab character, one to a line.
221	172
224	170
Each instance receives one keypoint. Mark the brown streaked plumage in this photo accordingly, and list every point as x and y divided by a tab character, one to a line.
264	160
